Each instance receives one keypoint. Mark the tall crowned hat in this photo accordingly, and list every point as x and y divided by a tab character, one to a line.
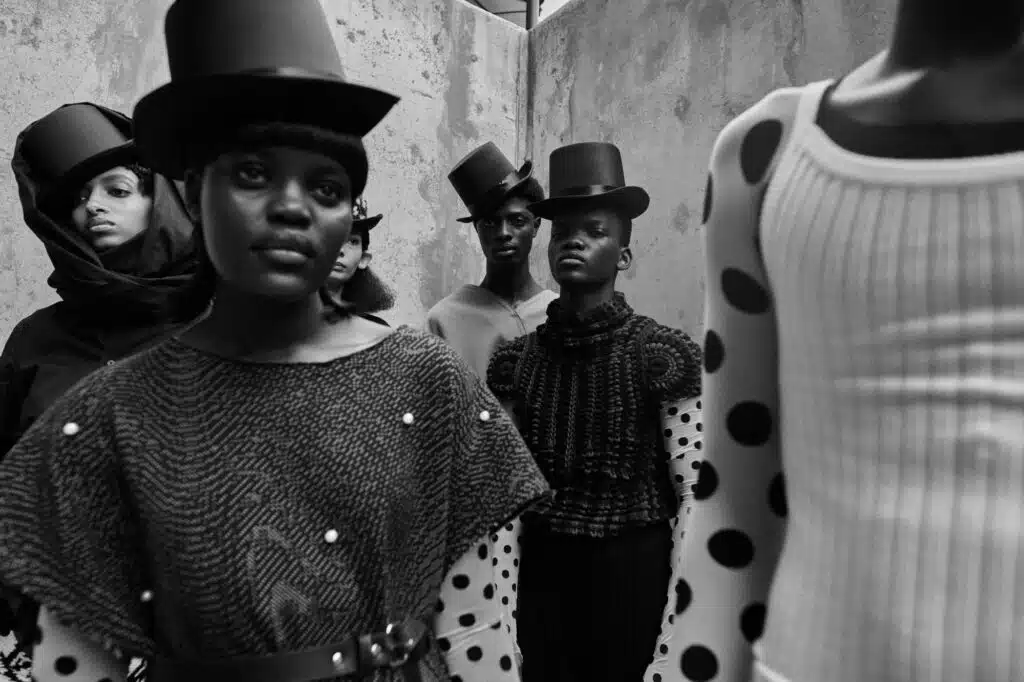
74	143
484	178
237	62
361	220
589	175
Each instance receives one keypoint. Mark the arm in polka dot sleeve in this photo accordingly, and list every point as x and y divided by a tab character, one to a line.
63	654
683	431
734	535
471	626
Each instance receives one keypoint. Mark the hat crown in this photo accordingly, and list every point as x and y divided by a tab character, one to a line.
211	37
585	164
479	171
65	139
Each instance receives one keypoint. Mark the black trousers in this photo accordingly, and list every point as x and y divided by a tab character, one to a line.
590	608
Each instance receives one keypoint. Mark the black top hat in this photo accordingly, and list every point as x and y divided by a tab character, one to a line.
360	221
74	143
251	61
589	174
484	178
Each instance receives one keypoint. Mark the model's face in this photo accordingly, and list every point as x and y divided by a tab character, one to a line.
350	260
111	209
274	219
586	248
506	236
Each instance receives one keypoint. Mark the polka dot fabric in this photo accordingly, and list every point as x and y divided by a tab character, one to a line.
684	441
733	536
472	625
63	654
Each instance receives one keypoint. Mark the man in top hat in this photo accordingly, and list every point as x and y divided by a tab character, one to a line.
351	279
608	401
509	302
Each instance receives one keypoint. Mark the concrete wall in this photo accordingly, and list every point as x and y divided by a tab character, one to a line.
661	78
460	73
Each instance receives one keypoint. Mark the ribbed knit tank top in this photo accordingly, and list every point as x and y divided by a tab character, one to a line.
899	293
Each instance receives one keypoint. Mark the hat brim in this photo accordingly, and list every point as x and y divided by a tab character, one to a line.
631	201
526	170
178	113
367	223
81	173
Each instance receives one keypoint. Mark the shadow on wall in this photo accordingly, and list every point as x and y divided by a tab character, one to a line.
659	78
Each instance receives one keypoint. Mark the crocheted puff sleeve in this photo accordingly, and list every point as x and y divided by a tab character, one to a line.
672	361
68	536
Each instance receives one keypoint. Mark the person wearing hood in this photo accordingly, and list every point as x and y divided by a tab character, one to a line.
120	241
351	280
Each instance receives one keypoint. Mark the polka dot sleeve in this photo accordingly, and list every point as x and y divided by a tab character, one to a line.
470	625
63	654
734	535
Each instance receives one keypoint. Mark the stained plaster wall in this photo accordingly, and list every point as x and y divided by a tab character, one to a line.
460	73
661	78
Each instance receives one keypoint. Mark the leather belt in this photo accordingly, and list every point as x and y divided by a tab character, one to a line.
401	645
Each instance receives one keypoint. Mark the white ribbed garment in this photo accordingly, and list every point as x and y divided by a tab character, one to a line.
898	298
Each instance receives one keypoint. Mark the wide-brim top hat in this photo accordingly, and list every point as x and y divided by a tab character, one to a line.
361	220
589	175
484	178
237	62
74	143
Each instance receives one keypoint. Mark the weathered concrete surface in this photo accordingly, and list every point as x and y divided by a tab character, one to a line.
661	78
457	69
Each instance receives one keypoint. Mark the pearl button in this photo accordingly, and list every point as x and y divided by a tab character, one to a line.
331	536
110	362
70	429
338	658
407	418
485	416
376	649
147	595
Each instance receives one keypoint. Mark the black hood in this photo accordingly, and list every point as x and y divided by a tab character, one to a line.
138	282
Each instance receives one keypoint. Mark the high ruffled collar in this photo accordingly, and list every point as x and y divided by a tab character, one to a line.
569	328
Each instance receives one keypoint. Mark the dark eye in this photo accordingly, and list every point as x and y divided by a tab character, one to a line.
119	192
519	221
331	190
251	173
488	223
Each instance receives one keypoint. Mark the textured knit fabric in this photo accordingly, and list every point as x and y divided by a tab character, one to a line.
586	391
873	353
265	507
474	322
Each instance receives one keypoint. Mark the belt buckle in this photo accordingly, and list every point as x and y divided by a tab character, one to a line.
399	645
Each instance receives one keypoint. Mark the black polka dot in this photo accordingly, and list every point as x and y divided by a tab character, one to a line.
684	441
504	600
494	561
672	411
685	419
671	619
443	644
749	423
507	549
515	562
697	445
505	662
439	606
699	427
510	527
707	481
505	574
482	551
683	595
698	664
714	351
668	433
66	665
777	496
698	404
515	613
455	678
656	677
663	649
752	621
731	548
708	197
489	592
497	626
474	653
744	293
758	148
460	581
695	465
467	620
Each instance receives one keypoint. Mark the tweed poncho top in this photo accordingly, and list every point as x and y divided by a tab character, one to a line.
189	505
587	392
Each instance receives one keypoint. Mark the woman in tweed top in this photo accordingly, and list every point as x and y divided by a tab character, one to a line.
272	481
